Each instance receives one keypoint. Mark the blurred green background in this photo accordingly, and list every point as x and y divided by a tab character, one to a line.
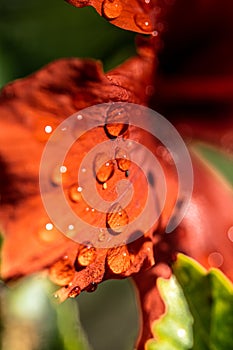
32	34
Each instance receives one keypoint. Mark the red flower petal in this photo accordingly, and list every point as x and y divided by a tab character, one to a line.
139	16
27	107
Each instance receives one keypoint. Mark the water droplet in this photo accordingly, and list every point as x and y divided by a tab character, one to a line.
48	129
71	227
92	209
74	292
49	226
230	233
101	235
112	8
75	193
84	170
215	259
62	272
87	209
105	186
122	158
118	259
63	169
91	287
86	255
116	122
103	169
58	174
116	218
48	233
79	117
143	22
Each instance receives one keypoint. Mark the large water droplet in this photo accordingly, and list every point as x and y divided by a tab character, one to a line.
143	22
103	169
112	8
118	259
75	193
62	272
74	292
86	255
117	121
122	159
116	218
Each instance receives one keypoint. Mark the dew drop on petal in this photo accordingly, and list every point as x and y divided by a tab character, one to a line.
103	169
215	259
48	233
230	233
143	22
48	129
58	174
74	292
92	287
118	259
101	235
86	255
105	186
116	218
112	8
122	158
79	117
75	193
116	122
62	272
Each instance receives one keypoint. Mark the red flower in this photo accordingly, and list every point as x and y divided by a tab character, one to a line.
191	86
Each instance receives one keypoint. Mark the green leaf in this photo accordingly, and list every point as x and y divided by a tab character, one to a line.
210	299
174	329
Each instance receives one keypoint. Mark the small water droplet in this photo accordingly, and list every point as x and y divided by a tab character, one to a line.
87	209
86	255
92	209
101	235
122	158
48	233
74	292
117	121
105	186
215	259
48	129
63	169
143	22
55	296
103	169
112	8
79	117
49	226
230	233
91	287
59	174
84	170
116	218
74	193
62	272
